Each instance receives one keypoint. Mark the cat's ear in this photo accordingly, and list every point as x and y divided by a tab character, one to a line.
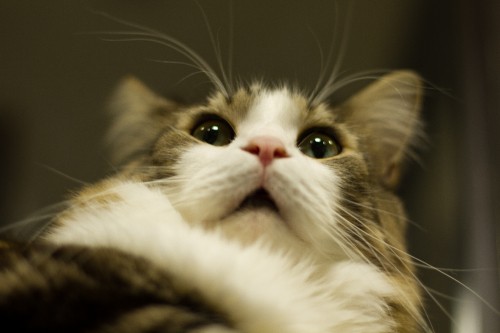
386	117
139	115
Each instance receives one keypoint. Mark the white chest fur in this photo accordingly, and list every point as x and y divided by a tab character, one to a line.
262	291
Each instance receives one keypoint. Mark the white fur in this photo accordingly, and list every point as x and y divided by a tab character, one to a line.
260	290
272	113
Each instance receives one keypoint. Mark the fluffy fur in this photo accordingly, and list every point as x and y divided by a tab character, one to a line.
275	295
267	236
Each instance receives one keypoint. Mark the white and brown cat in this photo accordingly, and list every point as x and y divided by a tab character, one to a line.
262	209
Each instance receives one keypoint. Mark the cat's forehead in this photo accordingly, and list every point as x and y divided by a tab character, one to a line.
269	106
273	112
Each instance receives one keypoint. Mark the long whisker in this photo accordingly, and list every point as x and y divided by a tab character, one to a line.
30	227
401	255
217	51
320	95
334	86
416	261
65	175
173	62
230	46
324	66
170	42
380	256
177	46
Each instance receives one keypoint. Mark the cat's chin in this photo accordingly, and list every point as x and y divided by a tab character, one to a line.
252	222
256	216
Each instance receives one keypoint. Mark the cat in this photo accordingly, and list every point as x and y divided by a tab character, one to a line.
262	209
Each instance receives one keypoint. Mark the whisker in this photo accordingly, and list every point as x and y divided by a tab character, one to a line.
170	42
443	295
386	212
197	72
379	255
323	67
26	222
178	47
65	175
317	95
32	225
217	50
334	86
172	62
230	46
420	263
320	95
321	64
190	75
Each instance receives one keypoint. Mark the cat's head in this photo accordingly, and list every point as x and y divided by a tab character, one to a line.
264	161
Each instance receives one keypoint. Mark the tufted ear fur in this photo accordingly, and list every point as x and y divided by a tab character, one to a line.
385	116
139	115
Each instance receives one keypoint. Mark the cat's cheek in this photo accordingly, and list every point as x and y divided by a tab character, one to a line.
307	195
214	182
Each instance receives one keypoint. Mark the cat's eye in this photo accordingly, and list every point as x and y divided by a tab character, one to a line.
215	131
319	145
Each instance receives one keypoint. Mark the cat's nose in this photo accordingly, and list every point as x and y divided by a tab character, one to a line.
267	148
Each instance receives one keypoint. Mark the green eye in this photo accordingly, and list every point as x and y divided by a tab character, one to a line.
216	132
319	145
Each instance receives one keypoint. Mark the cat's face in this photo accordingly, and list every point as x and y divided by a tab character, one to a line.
260	164
266	164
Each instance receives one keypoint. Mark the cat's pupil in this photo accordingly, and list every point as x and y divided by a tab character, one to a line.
210	134
318	147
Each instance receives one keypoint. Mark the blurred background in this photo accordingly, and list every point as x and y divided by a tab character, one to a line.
55	77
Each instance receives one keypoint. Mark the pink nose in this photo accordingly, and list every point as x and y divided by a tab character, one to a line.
266	148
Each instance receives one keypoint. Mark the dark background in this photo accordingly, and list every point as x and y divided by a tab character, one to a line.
55	78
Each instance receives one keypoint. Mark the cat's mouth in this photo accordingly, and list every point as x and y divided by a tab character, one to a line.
259	199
